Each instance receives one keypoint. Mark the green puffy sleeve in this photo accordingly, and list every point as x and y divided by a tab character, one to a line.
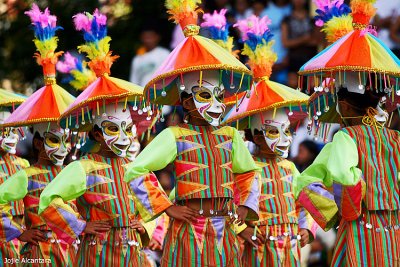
247	176
69	184
150	198
335	167
14	188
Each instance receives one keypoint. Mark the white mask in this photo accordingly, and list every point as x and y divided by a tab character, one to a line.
134	149
55	140
207	95
117	128
276	131
10	137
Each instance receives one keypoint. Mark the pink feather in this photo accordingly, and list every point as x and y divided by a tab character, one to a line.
44	19
82	22
68	64
253	24
216	19
100	18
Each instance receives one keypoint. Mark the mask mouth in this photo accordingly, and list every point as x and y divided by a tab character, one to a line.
214	115
121	147
59	157
283	148
10	144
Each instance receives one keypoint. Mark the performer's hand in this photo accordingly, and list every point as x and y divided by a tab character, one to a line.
135	224
154	245
32	236
182	213
305	237
247	234
97	227
241	214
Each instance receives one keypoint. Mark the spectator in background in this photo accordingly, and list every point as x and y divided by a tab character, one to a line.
258	7
300	37
395	36
241	10
308	151
277	10
386	14
148	57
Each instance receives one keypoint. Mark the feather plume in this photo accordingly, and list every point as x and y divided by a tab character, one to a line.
78	75
257	44
334	16
97	46
45	26
183	12
362	11
216	24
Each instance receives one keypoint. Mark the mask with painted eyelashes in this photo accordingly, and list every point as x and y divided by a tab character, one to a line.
116	127
9	137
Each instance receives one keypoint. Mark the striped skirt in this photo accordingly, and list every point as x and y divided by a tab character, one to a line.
373	240
53	253
281	248
9	250
209	242
120	247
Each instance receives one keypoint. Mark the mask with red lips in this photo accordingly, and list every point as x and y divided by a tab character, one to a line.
208	95
10	137
56	142
276	130
116	126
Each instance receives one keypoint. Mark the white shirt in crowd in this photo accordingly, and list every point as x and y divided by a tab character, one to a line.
143	66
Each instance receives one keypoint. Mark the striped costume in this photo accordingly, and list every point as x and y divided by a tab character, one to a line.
96	184
10	164
280	217
210	163
27	185
362	166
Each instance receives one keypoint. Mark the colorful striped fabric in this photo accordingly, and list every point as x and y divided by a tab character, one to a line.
277	202
101	195
209	163
10	164
368	242
208	242
379	161
9	99
284	252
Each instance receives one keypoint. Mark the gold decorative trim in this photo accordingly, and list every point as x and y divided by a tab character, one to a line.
29	122
349	68
275	105
10	102
151	83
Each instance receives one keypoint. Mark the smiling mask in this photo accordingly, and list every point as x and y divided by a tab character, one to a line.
10	137
207	94
117	128
55	140
276	131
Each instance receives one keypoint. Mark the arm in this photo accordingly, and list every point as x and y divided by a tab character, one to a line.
335	166
69	184
133	75
150	198
247	173
14	188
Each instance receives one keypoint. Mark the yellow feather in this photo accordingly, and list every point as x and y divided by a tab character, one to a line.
180	9
337	27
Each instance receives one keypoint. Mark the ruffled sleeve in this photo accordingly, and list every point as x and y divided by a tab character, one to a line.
13	189
150	198
247	176
336	168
